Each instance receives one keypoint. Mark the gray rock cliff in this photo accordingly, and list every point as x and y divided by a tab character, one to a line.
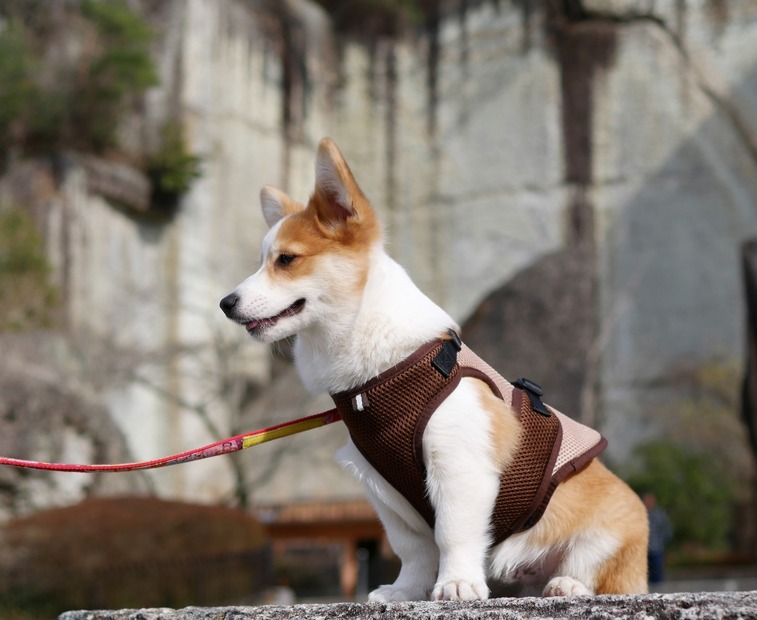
578	177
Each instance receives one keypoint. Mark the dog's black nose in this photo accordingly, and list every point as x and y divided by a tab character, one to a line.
228	303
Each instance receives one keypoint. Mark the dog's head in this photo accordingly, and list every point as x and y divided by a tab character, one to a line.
315	259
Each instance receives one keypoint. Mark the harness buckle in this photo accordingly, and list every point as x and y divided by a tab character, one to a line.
446	359
534	392
455	339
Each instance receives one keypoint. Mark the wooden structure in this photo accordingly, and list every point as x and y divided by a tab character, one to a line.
352	525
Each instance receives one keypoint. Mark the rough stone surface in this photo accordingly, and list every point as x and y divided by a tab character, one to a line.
710	606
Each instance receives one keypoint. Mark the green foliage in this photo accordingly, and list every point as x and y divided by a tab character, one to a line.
26	295
122	67
691	486
76	99
16	86
702	471
173	168
15	74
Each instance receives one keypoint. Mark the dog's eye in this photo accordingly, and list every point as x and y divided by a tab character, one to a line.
285	259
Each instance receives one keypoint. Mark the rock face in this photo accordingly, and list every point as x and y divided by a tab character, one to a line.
653	188
576	182
733	605
47	416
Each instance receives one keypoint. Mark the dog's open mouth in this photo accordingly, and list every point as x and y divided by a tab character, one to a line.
257	325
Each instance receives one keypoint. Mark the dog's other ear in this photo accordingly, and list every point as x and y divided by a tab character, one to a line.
277	205
337	197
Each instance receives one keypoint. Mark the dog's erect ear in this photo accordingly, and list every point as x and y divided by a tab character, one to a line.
277	205
337	197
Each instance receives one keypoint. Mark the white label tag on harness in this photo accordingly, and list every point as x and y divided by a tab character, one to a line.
360	402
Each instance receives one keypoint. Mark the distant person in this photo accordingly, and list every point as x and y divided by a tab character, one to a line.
660	533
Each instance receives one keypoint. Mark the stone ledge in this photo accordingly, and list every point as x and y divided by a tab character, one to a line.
709	606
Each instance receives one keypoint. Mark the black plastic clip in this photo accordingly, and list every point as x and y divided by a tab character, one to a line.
535	393
455	339
446	359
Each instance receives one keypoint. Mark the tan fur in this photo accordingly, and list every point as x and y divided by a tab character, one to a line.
304	235
329	207
505	430
591	500
274	199
324	227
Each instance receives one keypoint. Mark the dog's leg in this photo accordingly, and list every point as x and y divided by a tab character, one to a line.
409	535
566	586
462	533
577	571
600	526
600	562
418	553
462	481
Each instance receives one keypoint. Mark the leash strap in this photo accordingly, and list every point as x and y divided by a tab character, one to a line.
225	446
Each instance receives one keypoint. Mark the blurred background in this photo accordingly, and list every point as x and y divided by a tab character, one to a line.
574	180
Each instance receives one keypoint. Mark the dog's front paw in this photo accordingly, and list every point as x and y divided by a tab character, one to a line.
565	586
460	590
387	593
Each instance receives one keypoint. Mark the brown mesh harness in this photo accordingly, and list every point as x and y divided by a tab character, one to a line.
387	416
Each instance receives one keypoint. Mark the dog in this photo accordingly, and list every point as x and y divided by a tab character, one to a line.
357	316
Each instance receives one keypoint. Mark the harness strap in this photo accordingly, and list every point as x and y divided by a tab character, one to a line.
525	484
383	429
387	417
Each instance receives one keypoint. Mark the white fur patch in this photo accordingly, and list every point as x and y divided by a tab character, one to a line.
350	458
518	559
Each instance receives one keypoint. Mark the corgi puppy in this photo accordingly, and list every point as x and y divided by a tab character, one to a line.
326	278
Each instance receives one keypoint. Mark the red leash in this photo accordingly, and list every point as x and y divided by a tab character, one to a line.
225	446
